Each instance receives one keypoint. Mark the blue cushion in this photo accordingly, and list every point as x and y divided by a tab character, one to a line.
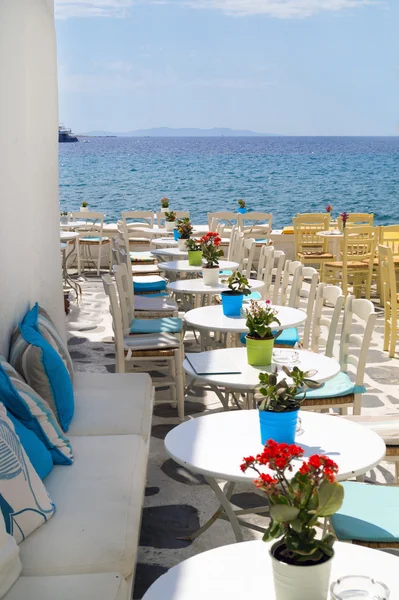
287	337
253	296
34	413
37	452
164	324
340	385
369	513
43	368
226	272
151	286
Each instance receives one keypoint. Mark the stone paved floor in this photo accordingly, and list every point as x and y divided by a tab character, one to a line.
177	501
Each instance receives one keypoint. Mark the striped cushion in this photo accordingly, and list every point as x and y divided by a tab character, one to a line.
33	412
42	367
48	330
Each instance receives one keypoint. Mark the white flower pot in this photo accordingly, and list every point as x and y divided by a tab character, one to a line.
181	244
170	225
84	209
292	582
164	210
210	276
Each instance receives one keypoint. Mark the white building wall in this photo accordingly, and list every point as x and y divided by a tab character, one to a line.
29	208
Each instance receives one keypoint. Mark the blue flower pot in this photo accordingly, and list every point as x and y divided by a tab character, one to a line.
278	426
242	210
232	304
176	234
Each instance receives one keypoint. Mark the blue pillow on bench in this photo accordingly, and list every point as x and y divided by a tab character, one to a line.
37	452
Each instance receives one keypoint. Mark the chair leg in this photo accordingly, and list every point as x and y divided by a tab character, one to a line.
179	384
78	256
173	388
394	328
99	259
387	330
357	404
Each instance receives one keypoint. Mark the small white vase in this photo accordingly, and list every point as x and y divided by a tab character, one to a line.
210	276
164	210
84	209
170	225
181	244
292	582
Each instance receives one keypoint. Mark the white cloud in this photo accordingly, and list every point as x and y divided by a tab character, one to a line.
283	9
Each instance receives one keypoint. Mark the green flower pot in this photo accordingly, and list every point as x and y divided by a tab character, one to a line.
195	258
259	352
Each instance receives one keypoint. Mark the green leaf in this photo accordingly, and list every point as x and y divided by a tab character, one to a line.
283	513
331	496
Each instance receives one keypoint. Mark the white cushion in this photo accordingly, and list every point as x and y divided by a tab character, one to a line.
24	500
156	304
103	586
112	404
99	500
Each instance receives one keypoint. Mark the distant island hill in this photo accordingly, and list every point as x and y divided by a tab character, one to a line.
180	132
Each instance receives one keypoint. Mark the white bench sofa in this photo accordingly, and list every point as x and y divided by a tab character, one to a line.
88	550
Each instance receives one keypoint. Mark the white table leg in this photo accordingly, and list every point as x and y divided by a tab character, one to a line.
228	509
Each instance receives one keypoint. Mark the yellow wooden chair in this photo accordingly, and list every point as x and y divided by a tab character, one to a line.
389	297
356	267
310	248
356	219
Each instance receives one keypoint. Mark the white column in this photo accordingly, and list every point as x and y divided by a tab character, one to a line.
29	208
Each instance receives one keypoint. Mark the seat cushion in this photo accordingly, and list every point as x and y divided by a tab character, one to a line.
24	501
253	296
154	304
353	264
128	395
93	239
149	284
288	337
99	502
164	324
36	451
369	513
34	412
340	385
100	586
42	367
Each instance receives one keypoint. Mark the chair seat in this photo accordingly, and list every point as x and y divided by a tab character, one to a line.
147	268
288	337
253	296
369	513
162	325
158	341
340	385
149	284
226	272
154	303
141	258
323	255
376	261
154	295
387	426
93	240
352	264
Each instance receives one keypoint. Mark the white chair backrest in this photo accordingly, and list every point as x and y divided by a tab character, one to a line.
247	257
94	223
256	225
124	258
114	309
124	284
304	285
271	264
236	240
357	330
324	327
138	218
115	258
228	216
180	214
280	289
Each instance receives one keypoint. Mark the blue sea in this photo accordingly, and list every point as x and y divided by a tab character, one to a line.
282	175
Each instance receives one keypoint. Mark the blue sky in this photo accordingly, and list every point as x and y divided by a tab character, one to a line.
293	67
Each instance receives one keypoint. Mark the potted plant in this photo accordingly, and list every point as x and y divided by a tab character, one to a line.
164	204
170	219
260	339
329	209
344	217
64	217
194	252
185	230
211	253
280	401
233	297
242	207
301	558
84	207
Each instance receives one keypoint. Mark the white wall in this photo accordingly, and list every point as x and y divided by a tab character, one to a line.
29	209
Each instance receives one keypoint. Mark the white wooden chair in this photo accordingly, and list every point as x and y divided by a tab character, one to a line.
152	285
134	219
247	257
142	262
229	218
341	392
91	235
270	265
163	351
324	327
256	225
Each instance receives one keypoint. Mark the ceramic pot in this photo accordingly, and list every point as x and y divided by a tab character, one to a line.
181	244
259	352
176	235
278	426
293	582
195	258
84	209
210	276
232	303
170	225
164	210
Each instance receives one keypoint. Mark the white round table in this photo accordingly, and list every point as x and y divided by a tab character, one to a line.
214	446
68	236
197	286
182	266
166	242
334	237
170	253
72	225
239	571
